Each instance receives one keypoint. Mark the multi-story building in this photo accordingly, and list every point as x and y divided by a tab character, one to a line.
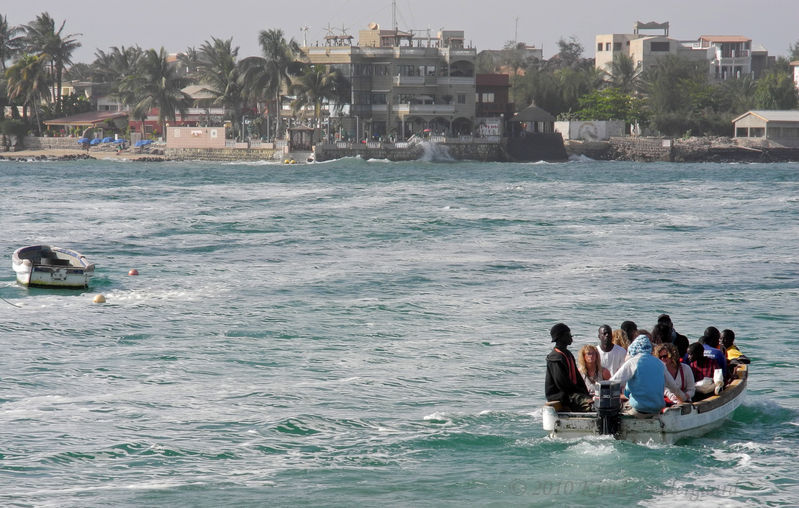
403	83
730	55
645	50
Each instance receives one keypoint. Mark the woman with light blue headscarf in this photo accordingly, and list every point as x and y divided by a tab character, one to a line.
646	378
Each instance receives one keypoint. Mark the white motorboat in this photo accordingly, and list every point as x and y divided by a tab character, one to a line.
672	424
48	266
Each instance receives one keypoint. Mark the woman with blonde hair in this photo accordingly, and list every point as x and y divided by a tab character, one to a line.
682	374
620	338
590	366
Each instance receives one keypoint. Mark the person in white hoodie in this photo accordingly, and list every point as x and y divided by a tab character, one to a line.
646	379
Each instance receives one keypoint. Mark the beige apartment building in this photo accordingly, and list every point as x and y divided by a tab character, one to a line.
404	83
643	48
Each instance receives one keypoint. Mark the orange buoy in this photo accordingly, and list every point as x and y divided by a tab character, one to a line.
133	272
99	299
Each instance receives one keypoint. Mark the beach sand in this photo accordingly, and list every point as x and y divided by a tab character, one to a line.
54	154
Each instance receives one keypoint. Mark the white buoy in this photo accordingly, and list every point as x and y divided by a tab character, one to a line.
99	299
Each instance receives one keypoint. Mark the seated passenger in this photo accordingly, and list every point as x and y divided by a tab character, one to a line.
710	340
682	374
563	382
703	368
646	378
590	366
661	334
620	339
611	355
679	340
734	355
629	328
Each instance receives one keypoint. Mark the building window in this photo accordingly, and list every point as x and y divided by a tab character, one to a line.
757	132
616	46
461	98
662	46
599	46
487	97
607	46
378	98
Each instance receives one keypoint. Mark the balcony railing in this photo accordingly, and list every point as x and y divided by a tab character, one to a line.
425	109
408	80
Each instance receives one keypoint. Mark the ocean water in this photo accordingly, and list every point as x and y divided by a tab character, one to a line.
374	333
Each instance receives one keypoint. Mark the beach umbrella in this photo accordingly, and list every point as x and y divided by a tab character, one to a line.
108	139
143	142
95	141
120	141
83	140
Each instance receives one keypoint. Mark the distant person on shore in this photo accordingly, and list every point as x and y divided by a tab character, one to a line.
733	354
563	382
611	355
646	378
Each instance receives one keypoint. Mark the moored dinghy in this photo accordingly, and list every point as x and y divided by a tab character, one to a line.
674	423
51	267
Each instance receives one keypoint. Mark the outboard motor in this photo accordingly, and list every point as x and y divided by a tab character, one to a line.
609	408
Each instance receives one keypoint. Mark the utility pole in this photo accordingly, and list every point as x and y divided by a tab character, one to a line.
516	32
394	14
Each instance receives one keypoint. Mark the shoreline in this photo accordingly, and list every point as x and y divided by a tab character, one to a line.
53	154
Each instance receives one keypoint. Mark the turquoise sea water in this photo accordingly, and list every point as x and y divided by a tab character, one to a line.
373	333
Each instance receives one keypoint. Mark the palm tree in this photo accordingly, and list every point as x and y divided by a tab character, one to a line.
43	39
157	85
115	67
624	73
28	81
10	41
265	76
312	88
217	69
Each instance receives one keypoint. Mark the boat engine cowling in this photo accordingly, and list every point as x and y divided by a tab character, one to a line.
608	408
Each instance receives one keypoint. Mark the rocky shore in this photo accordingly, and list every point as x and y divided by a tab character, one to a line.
694	149
72	155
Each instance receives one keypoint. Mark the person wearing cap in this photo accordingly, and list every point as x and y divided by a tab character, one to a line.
646	379
563	382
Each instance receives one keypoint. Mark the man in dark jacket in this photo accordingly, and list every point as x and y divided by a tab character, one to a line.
563	381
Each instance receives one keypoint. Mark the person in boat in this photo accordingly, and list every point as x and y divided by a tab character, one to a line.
682	373
711	340
563	382
679	340
629	328
620	339
589	363
703	368
646	378
661	334
731	351
611	355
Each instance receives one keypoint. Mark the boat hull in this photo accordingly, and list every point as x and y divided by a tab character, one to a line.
51	267
675	423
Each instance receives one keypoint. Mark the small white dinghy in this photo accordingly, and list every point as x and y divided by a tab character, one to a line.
672	424
47	266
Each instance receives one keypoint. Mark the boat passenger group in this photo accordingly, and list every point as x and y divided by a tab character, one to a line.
656	370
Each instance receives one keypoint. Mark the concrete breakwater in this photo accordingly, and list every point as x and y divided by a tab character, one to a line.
652	149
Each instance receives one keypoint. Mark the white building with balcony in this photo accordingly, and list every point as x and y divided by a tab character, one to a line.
403	83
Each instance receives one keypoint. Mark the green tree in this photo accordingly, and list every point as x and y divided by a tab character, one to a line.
793	52
611	104
217	69
624	73
29	82
313	88
56	47
11	41
265	76
157	85
776	90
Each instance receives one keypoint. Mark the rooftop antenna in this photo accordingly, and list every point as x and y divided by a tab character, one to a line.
394	14
516	33
304	29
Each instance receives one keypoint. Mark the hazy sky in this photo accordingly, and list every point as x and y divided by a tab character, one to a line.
178	24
